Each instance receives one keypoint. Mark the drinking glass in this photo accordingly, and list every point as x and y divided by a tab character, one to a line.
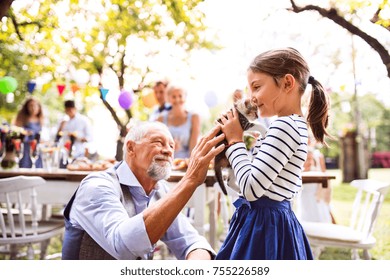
70	148
34	152
18	148
2	150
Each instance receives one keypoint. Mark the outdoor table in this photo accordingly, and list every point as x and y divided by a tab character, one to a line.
62	183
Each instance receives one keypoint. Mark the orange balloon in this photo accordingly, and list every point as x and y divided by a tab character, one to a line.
149	100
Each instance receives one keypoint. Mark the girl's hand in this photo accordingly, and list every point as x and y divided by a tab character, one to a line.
231	127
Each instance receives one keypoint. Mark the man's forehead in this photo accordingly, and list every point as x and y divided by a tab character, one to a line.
159	133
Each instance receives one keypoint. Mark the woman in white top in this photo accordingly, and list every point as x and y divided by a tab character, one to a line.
313	202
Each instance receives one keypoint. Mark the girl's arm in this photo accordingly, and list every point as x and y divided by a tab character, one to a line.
276	150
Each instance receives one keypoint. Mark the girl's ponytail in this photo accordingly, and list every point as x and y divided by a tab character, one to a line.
317	116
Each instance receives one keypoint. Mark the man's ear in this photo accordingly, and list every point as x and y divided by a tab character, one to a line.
289	82
130	147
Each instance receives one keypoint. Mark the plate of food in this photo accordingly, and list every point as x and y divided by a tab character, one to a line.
84	164
180	164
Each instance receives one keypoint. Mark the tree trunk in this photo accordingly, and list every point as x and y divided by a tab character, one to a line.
4	7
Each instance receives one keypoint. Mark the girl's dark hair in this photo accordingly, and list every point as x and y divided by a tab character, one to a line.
23	114
279	62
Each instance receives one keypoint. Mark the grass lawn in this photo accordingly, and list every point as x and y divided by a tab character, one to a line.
342	198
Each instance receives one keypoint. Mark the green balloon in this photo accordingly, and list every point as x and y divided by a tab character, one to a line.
8	84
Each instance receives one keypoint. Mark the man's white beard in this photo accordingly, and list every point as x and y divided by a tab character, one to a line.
160	170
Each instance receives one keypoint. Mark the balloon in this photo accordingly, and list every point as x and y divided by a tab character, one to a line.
60	89
31	86
149	100
125	99
103	92
211	99
8	84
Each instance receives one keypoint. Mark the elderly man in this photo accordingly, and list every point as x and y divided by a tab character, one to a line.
122	212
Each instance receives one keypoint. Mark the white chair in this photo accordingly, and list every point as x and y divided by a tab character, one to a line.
359	234
20	223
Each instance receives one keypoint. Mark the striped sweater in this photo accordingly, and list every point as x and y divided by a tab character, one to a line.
275	168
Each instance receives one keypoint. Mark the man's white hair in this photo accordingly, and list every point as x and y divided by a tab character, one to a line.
138	130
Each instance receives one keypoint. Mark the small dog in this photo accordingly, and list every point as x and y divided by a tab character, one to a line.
247	113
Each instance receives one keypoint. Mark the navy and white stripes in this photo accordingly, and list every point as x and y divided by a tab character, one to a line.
276	166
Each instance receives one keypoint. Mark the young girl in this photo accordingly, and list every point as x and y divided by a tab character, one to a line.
264	225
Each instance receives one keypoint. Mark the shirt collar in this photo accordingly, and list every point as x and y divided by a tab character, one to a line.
127	177
165	107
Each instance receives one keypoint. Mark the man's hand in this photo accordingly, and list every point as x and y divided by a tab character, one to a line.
202	154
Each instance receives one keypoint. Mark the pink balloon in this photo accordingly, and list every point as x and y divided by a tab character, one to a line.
125	99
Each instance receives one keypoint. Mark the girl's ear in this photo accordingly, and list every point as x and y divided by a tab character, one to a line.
289	82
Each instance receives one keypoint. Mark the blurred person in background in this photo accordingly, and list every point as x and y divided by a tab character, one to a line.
184	125
160	92
313	202
79	127
31	118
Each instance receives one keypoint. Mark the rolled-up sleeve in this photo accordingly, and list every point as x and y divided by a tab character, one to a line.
98	210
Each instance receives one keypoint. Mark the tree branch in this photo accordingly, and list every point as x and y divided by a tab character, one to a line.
333	15
19	24
16	25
